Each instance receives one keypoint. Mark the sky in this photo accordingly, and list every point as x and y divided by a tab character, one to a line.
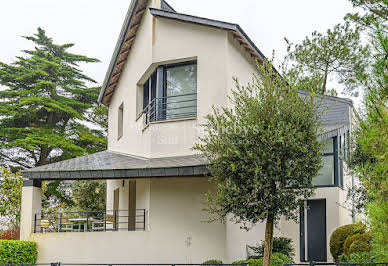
94	25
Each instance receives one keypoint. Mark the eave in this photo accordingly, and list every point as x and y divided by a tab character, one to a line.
122	49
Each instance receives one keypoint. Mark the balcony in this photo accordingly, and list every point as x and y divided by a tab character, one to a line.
171	108
91	221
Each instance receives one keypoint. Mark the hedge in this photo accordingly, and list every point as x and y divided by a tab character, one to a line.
358	257
277	259
339	236
366	238
360	246
15	251
212	262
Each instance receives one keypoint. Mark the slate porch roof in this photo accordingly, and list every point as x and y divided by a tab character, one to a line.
114	165
111	165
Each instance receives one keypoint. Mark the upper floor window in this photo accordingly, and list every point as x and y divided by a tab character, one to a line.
331	173
120	119
171	92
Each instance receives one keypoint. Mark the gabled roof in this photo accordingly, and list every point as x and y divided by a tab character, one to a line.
110	165
129	30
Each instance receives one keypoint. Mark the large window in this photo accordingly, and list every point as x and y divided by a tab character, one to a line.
171	92
331	173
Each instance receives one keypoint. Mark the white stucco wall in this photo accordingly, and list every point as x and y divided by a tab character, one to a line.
219	59
31	203
177	230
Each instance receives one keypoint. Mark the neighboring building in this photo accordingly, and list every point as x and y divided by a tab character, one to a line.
167	71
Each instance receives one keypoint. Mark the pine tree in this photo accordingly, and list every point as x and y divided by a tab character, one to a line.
46	106
338	54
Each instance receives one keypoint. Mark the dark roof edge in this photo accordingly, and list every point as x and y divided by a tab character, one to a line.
335	98
212	23
118	46
181	171
166	6
193	19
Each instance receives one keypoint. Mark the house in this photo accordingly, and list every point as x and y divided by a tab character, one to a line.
166	73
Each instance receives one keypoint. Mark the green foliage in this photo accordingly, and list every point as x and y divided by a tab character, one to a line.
365	238
339	236
263	153
358	257
277	259
338	53
374	11
212	262
89	195
10	196
369	158
14	251
281	245
359	246
45	106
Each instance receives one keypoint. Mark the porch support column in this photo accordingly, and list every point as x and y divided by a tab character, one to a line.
31	204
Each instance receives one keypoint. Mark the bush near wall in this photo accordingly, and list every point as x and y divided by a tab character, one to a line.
357	240
279	245
212	262
358	257
277	259
339	236
14	251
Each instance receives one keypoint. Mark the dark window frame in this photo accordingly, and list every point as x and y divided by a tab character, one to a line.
338	164
159	111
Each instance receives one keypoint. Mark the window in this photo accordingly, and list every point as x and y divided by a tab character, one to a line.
120	121
331	172
326	175
171	92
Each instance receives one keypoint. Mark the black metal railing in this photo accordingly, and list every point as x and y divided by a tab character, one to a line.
313	263
91	221
171	107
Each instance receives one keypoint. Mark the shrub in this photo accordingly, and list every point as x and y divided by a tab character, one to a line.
212	262
239	261
279	245
339	236
358	257
10	234
277	259
357	237
359	246
14	251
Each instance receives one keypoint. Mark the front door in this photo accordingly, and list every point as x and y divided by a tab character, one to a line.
313	242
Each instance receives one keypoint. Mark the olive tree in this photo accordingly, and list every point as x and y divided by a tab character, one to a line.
262	153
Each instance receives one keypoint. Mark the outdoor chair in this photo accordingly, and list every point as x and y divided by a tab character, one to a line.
44	225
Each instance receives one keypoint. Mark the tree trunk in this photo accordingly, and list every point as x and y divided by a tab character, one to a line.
44	152
325	79
268	240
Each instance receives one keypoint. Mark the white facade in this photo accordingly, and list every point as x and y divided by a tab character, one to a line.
176	228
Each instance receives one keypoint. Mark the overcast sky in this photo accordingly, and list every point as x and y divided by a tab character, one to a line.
94	25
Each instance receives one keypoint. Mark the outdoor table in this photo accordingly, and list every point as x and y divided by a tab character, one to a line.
81	221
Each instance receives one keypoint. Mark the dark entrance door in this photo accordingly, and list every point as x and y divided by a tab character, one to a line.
313	231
